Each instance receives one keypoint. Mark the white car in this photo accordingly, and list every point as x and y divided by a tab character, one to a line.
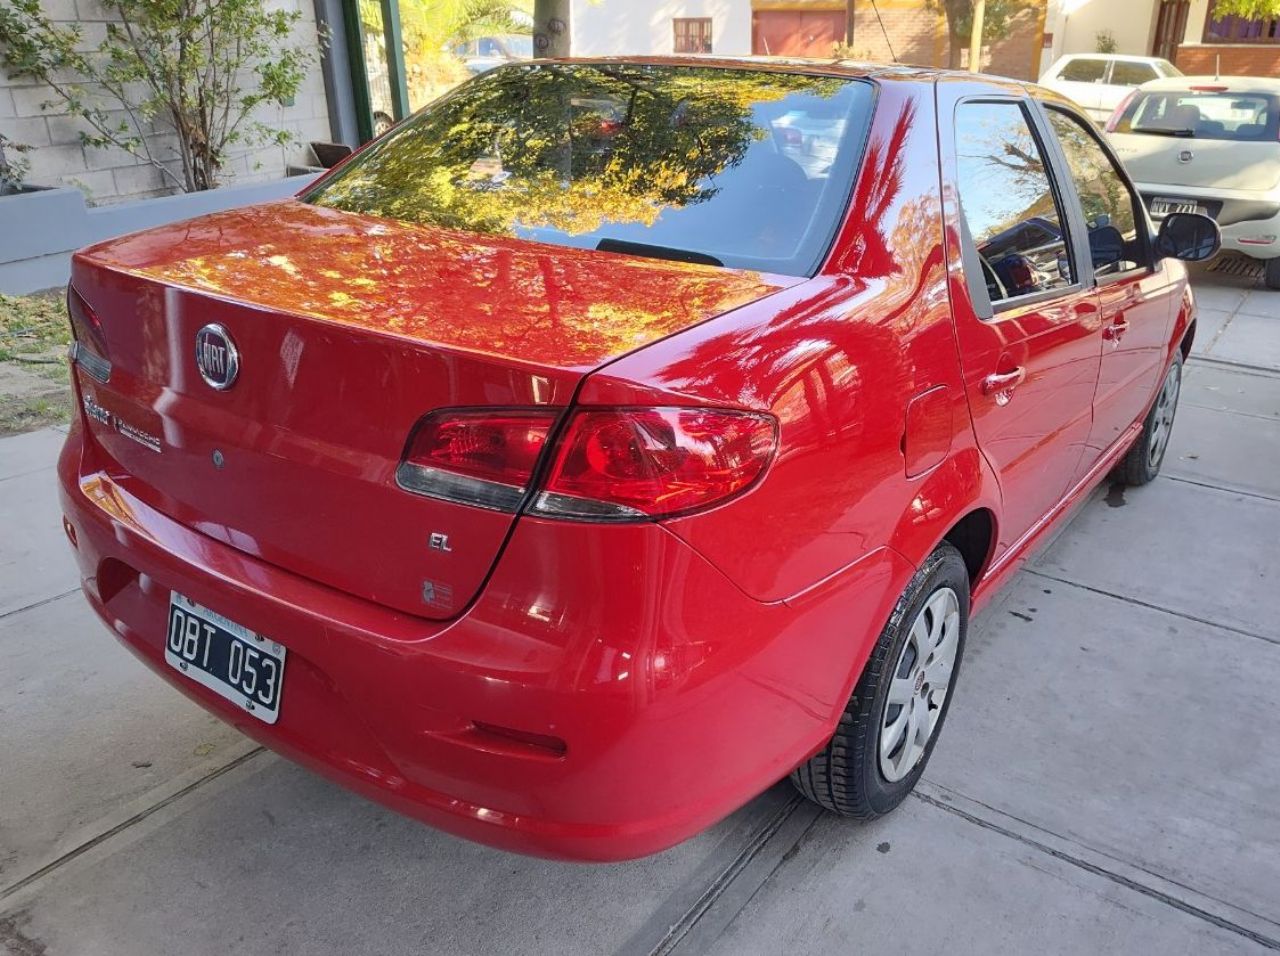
1211	146
1100	81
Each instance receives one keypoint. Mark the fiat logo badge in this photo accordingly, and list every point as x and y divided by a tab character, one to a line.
216	357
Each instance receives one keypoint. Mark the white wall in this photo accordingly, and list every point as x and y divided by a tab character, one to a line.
609	27
1076	24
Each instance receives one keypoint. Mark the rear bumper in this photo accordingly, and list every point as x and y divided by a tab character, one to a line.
1249	221
677	697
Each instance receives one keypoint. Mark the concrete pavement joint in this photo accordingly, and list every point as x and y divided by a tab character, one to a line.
101	838
1229	411
1267	371
1201	483
1160	896
673	931
41	603
1127	599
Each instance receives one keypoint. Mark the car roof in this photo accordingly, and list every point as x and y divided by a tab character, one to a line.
1227	84
1121	57
778	64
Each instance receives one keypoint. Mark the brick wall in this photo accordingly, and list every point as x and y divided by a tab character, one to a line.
110	175
918	35
1237	59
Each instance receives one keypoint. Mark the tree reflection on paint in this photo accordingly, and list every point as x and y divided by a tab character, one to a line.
572	148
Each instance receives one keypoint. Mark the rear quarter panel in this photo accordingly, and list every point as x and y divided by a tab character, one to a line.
837	360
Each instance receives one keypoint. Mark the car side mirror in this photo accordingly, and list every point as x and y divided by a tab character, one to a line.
1188	236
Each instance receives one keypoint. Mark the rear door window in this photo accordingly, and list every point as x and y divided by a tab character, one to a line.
1111	213
1203	114
1013	218
1084	70
1124	73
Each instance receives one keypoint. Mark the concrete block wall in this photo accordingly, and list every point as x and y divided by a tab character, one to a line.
113	175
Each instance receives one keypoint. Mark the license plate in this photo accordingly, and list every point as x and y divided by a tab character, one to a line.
227	658
1162	207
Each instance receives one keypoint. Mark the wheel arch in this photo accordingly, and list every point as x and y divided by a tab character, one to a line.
974	536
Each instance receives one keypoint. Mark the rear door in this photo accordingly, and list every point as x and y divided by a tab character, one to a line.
1028	330
1135	294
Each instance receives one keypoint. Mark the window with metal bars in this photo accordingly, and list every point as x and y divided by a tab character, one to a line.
692	34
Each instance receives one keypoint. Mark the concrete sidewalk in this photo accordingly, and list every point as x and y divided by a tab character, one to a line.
1106	781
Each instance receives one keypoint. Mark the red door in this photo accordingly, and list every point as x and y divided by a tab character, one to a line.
796	32
1028	330
1137	300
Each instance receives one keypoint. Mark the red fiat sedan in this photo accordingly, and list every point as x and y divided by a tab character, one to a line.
616	437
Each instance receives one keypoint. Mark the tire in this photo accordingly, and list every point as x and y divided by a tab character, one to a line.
1271	272
1142	462
850	776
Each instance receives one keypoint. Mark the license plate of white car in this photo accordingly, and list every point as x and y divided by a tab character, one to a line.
229	659
1162	207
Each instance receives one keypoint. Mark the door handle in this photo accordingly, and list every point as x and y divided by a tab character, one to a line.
1116	330
1002	384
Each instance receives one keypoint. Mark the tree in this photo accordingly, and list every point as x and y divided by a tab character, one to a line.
995	23
195	68
551	28
1247	9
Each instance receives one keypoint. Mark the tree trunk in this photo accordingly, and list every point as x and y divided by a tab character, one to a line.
848	25
550	28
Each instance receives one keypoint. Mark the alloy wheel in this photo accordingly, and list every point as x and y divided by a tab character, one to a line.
1162	416
919	685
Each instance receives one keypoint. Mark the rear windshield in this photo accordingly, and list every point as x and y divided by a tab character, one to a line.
727	167
1196	114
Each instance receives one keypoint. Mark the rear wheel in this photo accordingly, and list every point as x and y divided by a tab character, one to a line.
1271	272
893	719
1142	462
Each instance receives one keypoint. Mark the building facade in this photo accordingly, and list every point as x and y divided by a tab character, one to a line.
1186	32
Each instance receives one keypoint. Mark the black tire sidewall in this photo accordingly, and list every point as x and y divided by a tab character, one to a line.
943	568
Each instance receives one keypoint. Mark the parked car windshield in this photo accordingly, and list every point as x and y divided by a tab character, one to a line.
748	169
1203	114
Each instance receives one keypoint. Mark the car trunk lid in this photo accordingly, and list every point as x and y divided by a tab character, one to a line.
1200	163
349	329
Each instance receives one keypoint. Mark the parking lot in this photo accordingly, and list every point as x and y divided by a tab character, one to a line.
1106	781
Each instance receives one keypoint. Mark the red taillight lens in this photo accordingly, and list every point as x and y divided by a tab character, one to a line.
628	464
90	348
481	457
1114	121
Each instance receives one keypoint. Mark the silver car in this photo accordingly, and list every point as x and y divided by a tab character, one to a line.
1209	145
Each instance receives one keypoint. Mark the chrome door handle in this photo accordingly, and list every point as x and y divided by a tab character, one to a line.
1116	330
1002	383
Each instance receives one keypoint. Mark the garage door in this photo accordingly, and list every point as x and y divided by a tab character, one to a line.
796	32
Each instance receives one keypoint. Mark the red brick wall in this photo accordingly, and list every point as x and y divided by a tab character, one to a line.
1238	59
918	34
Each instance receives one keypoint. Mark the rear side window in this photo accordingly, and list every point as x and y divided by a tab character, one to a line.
748	169
1203	114
1084	71
1131	74
1013	219
1110	213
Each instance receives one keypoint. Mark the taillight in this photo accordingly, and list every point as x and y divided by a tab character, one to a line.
89	350
475	456
631	464
1114	121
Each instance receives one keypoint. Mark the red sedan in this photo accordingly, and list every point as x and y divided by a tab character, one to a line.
616	437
